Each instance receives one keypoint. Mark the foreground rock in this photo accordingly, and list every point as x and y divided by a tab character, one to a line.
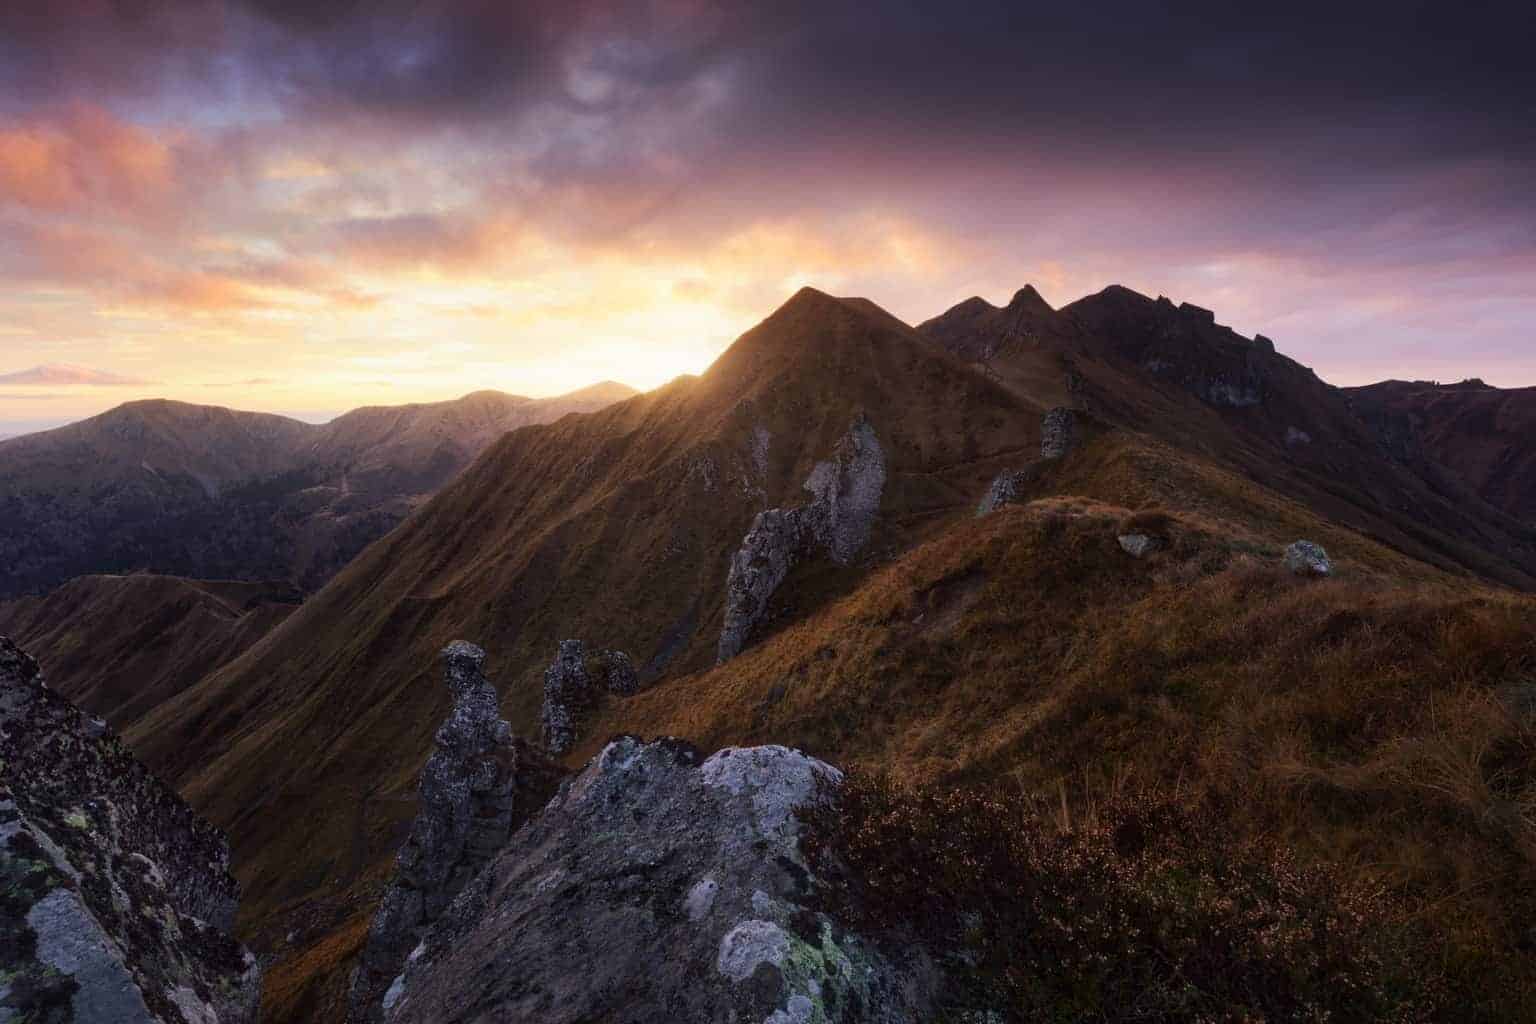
655	888
115	898
1007	488
478	786
1307	559
846	491
1058	433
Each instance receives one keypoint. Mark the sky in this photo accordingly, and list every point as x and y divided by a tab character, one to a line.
302	208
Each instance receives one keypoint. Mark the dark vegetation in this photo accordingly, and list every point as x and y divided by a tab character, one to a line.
1140	909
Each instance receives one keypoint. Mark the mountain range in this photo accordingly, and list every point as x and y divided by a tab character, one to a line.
787	549
208	492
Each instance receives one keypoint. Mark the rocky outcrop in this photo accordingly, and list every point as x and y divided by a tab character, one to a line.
571	684
1058	433
1307	559
115	898
846	491
477	787
1007	488
657	887
1138	545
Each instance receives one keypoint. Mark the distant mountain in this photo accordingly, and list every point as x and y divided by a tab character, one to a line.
68	375
207	492
1479	434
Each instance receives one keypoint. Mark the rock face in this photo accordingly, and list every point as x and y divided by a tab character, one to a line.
479	784
115	898
1138	545
1307	559
1007	488
846	491
656	888
572	682
1058	433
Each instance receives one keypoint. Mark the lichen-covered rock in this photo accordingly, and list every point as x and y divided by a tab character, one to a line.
114	896
571	684
847	490
1138	545
770	549
1058	433
1305	558
479	784
845	500
659	888
1007	488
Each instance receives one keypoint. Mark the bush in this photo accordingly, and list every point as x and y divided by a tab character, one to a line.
1145	911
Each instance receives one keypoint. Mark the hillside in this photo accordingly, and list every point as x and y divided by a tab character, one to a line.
1174	373
119	646
619	529
1479	434
206	492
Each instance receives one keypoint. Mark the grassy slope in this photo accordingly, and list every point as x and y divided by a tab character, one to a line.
120	646
1373	719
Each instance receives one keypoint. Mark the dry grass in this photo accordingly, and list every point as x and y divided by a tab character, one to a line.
1369	722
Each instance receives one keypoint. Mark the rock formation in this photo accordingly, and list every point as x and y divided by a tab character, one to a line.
571	684
478	786
1307	559
115	898
846	491
656	888
1058	433
1007	488
1138	545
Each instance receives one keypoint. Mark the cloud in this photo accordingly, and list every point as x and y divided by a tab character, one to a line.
67	375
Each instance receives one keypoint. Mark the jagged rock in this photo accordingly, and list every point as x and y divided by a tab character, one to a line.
1138	545
846	491
1198	313
1058	433
115	898
1263	344
1007	487
656	888
571	683
1307	559
478	786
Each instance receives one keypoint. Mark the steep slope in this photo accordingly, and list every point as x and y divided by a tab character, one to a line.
616	528
120	645
1479	434
207	492
1174	373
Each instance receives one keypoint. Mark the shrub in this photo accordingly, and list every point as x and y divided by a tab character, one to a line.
1144	911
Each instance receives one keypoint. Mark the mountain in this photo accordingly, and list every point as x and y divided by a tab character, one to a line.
67	375
1172	372
117	899
1478	434
119	646
813	496
206	492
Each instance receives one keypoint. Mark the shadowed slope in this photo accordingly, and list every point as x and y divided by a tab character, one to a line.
208	492
118	646
1479	434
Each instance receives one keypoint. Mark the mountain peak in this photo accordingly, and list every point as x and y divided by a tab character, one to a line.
1027	298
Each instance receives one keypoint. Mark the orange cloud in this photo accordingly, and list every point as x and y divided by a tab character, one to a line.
84	155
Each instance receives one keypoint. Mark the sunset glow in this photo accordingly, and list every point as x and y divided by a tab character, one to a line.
259	206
